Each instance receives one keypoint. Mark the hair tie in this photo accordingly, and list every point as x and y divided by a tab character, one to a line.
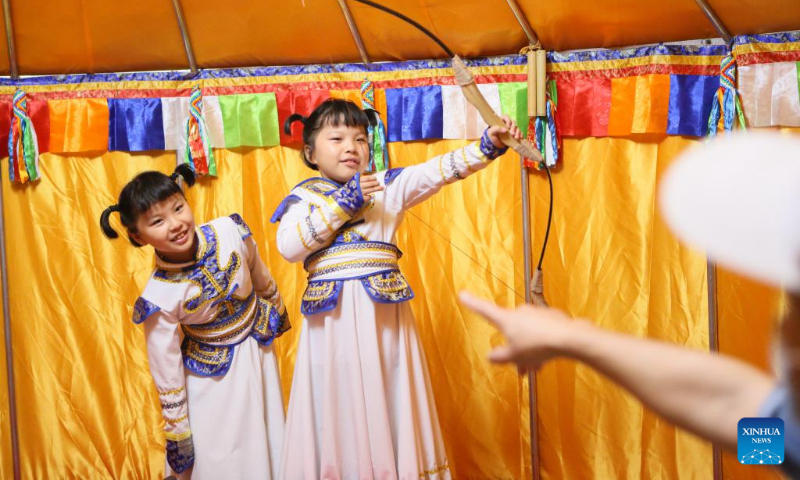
295	117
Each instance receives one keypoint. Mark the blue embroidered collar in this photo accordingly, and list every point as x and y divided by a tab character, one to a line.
319	179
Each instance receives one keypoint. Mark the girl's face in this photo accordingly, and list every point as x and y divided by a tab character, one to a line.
339	152
169	228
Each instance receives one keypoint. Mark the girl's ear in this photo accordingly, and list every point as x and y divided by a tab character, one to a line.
307	151
137	238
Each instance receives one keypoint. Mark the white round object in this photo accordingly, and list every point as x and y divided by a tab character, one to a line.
738	198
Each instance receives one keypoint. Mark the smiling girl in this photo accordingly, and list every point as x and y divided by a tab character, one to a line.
361	404
210	296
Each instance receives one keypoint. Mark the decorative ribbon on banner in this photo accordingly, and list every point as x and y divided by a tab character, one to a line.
378	153
23	148
726	102
543	131
198	153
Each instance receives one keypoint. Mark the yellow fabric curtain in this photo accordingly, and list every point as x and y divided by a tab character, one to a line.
612	260
86	404
747	313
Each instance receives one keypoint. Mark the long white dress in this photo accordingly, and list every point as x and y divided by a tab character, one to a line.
361	405
209	325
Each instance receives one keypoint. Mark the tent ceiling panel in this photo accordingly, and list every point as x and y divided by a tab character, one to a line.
562	26
470	29
263	33
758	16
80	36
88	36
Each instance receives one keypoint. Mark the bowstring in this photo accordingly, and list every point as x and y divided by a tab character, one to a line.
343	95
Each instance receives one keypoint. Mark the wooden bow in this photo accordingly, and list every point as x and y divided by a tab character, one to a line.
474	96
471	92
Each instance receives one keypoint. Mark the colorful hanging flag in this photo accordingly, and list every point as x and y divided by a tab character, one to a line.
250	120
198	152
135	124
301	102
378	153
23	147
726	104
769	92
414	113
460	119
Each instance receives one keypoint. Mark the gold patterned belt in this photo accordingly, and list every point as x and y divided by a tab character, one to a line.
355	258
233	322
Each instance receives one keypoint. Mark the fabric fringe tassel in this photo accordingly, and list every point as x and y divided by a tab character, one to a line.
198	151
726	103
378	153
543	132
23	147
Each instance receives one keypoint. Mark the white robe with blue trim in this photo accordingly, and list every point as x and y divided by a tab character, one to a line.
209	326
361	404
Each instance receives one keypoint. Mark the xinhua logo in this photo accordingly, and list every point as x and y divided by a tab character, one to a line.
760	441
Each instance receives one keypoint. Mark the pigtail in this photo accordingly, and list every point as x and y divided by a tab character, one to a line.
373	117
185	171
140	194
333	112
108	231
295	117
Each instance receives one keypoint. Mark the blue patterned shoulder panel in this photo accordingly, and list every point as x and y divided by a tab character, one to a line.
284	205
244	230
391	175
142	309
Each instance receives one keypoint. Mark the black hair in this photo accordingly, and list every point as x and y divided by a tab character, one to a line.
140	194
333	112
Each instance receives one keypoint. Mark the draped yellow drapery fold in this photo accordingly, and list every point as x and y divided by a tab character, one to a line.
87	407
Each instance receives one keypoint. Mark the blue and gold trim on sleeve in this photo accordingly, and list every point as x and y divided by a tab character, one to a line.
488	148
180	451
269	324
284	325
349	197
